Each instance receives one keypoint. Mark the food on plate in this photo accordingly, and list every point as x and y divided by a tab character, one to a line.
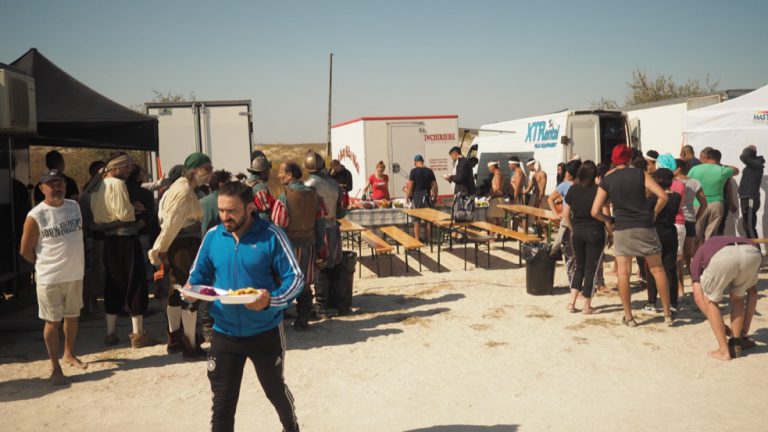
208	291
243	291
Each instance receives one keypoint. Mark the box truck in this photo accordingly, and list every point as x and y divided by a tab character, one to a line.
361	143
550	139
221	129
659	125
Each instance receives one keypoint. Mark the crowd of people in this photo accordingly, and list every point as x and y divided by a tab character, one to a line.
116	241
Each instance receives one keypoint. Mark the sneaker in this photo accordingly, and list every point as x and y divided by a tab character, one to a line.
141	340
650	308
111	339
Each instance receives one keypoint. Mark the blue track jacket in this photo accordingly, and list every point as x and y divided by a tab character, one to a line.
224	263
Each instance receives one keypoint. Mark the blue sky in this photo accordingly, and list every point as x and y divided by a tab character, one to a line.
483	60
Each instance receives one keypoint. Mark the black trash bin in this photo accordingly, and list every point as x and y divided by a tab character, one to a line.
342	280
539	268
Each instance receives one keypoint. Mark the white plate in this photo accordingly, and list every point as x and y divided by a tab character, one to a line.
223	295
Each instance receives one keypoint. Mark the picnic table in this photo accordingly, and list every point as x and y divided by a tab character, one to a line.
536	212
441	221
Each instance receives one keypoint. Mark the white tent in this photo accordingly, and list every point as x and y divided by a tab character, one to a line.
729	127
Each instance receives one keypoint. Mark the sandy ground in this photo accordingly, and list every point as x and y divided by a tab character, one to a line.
438	352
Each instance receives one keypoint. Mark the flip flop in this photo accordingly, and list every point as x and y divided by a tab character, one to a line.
588	311
629	323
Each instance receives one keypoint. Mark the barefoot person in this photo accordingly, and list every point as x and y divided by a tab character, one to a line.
633	229
731	263
245	251
53	241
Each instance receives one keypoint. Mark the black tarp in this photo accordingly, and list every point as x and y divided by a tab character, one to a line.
69	113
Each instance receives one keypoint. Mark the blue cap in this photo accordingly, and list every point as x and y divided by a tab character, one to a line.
418	158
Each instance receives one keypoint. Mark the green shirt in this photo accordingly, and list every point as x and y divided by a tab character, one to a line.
210	207
712	178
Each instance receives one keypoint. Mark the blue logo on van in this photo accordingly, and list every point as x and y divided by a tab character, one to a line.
543	134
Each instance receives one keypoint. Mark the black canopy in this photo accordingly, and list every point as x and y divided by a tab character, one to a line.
69	113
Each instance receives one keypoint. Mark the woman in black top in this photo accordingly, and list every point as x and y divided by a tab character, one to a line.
667	232
587	236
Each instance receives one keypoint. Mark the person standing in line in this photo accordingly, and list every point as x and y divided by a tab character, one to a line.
632	224
53	241
55	161
727	262
245	251
667	161
330	192
300	212
693	192
564	231
495	214
712	177
650	157
176	246
516	180
667	233
588	235
537	188
686	154
749	189
93	279
421	189
259	183
125	287
462	179
378	183
210	204
560	173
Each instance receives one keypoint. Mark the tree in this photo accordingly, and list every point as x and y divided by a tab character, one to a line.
644	89
170	97
604	104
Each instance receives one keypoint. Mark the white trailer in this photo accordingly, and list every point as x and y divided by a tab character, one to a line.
221	129
659	125
550	139
361	143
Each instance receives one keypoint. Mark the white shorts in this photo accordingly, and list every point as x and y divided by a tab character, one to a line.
60	300
734	268
680	238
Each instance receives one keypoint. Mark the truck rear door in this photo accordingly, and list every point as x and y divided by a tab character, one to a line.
583	130
405	141
226	134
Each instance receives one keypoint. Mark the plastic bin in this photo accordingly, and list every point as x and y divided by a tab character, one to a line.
341	281
539	268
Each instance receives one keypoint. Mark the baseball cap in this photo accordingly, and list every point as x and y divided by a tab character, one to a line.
51	175
418	158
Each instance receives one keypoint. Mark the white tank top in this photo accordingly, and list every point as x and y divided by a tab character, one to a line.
59	249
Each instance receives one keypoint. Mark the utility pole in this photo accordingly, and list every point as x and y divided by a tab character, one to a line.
330	92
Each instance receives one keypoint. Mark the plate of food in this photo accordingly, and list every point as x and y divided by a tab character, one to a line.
207	293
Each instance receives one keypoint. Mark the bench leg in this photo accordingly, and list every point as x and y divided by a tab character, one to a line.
476	246
391	273
419	260
489	255
405	252
376	258
439	246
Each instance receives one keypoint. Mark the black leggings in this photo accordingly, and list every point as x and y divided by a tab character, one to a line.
226	360
588	244
668	239
125	284
749	207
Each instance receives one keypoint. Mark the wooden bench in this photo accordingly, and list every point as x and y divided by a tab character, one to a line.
402	238
378	246
456	229
507	233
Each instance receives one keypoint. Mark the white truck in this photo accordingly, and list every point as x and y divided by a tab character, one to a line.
361	143
659	125
550	139
221	129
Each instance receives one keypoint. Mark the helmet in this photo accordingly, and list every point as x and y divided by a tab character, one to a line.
313	162
259	165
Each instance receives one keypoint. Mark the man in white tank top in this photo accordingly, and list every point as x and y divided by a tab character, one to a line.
53	241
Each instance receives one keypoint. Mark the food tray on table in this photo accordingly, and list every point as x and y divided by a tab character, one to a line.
207	293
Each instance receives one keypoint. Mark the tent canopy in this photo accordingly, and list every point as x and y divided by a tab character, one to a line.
69	113
730	127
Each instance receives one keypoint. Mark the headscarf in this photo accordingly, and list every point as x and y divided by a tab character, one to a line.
119	162
195	160
667	161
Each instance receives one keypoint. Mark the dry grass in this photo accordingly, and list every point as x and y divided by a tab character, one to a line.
593	322
496	313
78	159
415	320
480	327
494	344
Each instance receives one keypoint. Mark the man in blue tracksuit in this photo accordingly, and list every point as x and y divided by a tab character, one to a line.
247	252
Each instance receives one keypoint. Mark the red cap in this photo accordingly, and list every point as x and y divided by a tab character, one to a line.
621	154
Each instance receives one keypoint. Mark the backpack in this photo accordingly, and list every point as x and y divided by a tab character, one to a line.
463	209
